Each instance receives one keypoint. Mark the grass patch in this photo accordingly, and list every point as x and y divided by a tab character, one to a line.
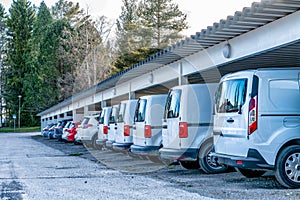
20	130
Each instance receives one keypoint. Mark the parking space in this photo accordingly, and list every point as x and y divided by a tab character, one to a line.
230	185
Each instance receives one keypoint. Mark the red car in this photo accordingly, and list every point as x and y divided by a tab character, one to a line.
71	132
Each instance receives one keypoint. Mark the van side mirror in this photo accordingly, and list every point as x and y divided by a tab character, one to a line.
240	109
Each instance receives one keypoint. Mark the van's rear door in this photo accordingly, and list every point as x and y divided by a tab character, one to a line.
139	120
170	130
231	115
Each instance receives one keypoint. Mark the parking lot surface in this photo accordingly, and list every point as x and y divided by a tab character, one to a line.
34	167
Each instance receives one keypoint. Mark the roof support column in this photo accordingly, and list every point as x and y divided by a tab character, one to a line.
131	94
103	103
181	79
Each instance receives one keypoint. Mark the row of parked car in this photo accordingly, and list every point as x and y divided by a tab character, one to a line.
250	121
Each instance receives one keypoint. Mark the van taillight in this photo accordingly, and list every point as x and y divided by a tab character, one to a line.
252	121
105	129
126	130
183	130
147	131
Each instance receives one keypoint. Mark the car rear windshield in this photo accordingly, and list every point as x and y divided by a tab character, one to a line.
140	111
231	95
85	121
121	112
113	115
173	104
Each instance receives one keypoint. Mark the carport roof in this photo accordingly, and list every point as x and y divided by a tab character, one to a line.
250	18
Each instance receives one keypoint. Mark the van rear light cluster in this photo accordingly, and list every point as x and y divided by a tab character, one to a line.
239	162
183	130
126	130
105	130
147	131
252	121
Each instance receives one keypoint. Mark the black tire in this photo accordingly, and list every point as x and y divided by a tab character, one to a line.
206	162
287	167
249	173
190	164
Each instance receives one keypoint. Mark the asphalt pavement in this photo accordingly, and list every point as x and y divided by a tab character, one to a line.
29	169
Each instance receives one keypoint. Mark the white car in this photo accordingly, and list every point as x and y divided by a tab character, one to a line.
187	127
257	123
87	132
147	138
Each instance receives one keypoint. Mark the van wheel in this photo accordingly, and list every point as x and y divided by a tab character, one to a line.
206	162
249	173
190	164
287	167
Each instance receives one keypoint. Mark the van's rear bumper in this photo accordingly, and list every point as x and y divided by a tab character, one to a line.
109	144
121	146
253	160
101	142
144	150
190	154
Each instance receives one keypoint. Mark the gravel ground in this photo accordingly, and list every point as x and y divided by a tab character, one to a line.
230	185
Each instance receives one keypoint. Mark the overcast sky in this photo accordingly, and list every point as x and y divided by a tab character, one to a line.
201	13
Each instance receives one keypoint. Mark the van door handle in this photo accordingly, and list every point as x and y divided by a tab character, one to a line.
165	126
230	120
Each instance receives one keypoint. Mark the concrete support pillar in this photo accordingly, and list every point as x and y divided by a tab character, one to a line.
131	94
181	79
103	103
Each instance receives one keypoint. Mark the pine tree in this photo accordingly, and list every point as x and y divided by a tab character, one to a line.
20	26
127	26
3	40
162	21
132	43
145	29
67	10
39	92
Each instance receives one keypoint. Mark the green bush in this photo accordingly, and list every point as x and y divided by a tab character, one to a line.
20	130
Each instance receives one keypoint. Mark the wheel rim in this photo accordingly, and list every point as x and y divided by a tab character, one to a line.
292	167
210	161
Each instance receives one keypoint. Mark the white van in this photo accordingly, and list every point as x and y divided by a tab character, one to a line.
124	125
103	126
257	123
147	136
112	129
187	128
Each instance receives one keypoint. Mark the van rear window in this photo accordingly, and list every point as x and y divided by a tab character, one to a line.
231	95
113	115
173	104
121	112
140	111
101	119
